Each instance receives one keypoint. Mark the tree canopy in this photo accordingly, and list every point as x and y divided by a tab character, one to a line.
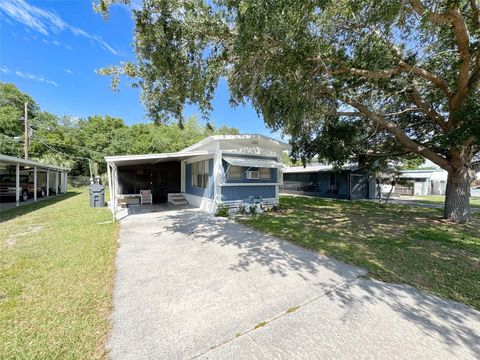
69	141
344	78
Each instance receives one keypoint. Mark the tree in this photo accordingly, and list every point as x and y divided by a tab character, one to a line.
402	75
12	104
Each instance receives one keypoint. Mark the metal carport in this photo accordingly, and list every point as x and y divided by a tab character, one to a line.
59	173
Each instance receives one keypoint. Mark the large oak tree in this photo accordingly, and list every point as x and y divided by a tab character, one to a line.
360	75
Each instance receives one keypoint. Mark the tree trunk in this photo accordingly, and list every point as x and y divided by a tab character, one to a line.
457	199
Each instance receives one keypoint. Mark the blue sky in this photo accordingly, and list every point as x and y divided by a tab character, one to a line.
50	50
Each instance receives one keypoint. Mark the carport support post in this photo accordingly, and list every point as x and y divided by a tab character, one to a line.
56	182
109	174
35	183
48	182
17	184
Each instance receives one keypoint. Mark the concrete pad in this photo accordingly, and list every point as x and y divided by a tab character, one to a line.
190	285
187	281
365	319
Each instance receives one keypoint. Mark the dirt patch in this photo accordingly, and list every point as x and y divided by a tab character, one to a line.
31	229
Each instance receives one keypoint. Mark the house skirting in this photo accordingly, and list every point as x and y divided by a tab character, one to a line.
203	203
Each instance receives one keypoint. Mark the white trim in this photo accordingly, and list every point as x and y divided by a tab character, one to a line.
17	184
183	169
250	184
203	203
35	183
30	162
48	182
153	157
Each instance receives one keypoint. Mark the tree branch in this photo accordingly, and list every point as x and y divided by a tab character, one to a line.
436	18
399	134
463	41
439	82
427	108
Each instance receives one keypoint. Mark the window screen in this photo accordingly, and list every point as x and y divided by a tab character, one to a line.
235	173
200	174
265	173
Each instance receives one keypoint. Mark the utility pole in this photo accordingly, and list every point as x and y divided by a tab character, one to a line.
25	146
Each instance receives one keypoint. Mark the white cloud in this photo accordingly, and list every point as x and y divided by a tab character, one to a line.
68	71
46	22
35	77
4	70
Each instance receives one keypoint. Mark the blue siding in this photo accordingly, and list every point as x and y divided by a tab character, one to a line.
243	192
207	192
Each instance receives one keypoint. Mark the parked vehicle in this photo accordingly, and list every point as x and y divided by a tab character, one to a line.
8	186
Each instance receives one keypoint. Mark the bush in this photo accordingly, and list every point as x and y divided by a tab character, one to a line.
222	210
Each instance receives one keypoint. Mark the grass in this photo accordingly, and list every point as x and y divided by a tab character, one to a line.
403	244
56	278
440	199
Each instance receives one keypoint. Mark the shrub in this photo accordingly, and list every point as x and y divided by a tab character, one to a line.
222	210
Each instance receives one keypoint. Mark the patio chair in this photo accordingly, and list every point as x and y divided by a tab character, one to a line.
145	197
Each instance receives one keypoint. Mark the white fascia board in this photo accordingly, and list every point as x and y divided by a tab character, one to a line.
20	161
152	157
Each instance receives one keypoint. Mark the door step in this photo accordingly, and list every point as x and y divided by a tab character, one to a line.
177	199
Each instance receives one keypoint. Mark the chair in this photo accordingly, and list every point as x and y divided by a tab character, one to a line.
145	197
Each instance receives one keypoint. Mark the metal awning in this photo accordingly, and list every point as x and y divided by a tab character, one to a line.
255	163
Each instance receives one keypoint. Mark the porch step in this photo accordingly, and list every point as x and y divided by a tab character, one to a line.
177	199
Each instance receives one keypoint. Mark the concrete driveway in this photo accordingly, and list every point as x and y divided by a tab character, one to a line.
189	285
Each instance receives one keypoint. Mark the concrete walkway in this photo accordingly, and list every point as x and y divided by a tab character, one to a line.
189	285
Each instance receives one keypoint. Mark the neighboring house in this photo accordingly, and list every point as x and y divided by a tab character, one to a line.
320	180
219	169
422	182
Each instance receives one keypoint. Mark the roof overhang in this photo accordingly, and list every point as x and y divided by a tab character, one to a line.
124	160
253	162
15	160
255	138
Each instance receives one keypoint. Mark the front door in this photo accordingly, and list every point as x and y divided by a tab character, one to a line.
166	179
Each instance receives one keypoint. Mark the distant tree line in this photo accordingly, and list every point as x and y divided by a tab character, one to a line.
69	141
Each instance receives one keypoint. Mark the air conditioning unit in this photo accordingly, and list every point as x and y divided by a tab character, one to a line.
253	175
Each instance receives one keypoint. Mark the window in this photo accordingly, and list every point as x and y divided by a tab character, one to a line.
265	173
235	173
200	174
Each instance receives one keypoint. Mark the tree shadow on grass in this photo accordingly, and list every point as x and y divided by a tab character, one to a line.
6	215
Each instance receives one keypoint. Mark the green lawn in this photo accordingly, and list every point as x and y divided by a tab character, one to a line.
440	199
402	244
56	278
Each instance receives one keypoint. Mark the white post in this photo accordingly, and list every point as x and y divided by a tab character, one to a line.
48	182
65	176
35	183
109	174
182	176
17	184
56	182
115	185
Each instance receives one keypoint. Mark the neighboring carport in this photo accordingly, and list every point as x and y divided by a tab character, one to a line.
21	179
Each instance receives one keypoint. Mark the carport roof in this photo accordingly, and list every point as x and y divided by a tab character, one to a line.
15	160
151	158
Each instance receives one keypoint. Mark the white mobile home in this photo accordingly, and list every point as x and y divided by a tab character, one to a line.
220	169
